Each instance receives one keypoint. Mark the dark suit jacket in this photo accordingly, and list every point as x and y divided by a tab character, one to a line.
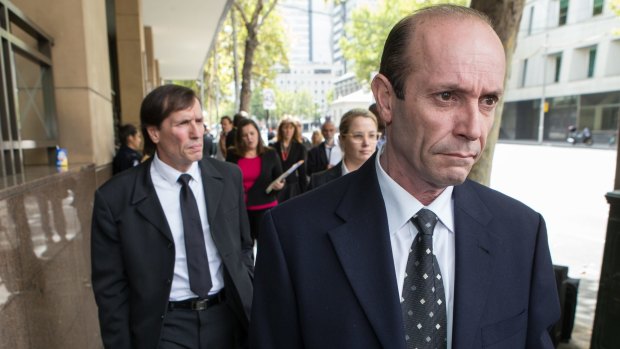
322	177
270	170
133	251
317	159
325	273
297	182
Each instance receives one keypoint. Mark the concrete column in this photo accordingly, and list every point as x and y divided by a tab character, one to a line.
131	59
151	69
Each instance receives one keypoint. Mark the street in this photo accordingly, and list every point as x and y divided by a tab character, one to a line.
567	185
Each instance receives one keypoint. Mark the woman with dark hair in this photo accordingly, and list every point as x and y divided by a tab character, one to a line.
358	140
259	166
291	150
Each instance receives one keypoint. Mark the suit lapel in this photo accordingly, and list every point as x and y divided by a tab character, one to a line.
146	201
363	247
213	186
473	263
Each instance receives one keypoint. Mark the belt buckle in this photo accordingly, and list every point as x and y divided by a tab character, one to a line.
200	304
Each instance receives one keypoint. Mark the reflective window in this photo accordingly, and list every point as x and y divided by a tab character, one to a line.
27	108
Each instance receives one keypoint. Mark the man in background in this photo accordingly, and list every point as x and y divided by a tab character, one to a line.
326	154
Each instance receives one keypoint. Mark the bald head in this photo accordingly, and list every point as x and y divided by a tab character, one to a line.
397	62
328	130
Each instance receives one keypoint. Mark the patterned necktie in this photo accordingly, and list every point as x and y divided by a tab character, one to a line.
195	249
423	299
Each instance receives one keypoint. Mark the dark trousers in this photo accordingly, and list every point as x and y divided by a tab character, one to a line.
255	217
213	328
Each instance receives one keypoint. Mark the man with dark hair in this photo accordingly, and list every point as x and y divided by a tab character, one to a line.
230	136
127	155
326	154
172	259
227	126
406	252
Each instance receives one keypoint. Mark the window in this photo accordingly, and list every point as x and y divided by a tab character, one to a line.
591	61
524	73
563	12
597	7
558	67
530	21
28	114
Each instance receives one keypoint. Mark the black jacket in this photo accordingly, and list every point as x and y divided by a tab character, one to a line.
271	168
323	177
133	250
124	159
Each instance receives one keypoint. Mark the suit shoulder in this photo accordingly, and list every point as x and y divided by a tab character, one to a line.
124	180
226	167
498	201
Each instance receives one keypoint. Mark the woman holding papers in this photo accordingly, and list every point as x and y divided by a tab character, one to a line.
260	166
291	151
358	140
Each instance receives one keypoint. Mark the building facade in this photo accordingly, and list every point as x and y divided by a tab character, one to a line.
564	72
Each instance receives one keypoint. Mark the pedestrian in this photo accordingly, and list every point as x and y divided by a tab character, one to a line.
406	252
171	252
128	155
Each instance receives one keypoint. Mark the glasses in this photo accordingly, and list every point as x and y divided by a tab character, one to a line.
359	137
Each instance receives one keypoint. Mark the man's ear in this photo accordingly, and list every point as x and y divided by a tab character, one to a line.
383	92
153	132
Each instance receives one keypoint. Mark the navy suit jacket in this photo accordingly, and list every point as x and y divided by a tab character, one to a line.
325	273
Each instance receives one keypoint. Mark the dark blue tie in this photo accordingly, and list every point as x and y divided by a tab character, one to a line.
424	302
195	249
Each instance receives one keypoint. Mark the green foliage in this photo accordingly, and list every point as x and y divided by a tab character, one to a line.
272	51
615	6
299	104
368	29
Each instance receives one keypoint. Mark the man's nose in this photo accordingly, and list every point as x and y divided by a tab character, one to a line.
469	121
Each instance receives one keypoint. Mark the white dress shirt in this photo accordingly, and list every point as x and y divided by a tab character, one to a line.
168	191
333	153
400	207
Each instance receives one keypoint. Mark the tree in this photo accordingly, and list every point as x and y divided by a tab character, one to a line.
506	15
253	15
219	80
368	29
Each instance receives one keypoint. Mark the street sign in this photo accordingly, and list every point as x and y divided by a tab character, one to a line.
269	99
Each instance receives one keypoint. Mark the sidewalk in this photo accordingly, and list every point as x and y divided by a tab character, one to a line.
567	185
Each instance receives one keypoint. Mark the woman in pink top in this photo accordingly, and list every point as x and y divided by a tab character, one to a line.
260	165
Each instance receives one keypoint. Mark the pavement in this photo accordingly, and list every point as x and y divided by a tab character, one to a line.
567	185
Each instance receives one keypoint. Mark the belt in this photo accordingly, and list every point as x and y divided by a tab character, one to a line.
197	303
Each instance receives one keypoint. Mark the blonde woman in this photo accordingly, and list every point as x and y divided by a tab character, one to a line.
358	141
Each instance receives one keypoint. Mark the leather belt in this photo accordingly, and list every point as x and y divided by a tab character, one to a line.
197	303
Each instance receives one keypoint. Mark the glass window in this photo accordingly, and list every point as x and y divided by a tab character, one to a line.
524	73
558	68
563	12
597	7
591	61
609	120
28	115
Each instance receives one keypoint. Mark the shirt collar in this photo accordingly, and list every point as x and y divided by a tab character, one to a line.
170	174
401	206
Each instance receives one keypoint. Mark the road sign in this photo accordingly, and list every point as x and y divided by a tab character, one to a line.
269	99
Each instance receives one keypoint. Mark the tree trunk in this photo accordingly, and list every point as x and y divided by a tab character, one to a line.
251	43
506	16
